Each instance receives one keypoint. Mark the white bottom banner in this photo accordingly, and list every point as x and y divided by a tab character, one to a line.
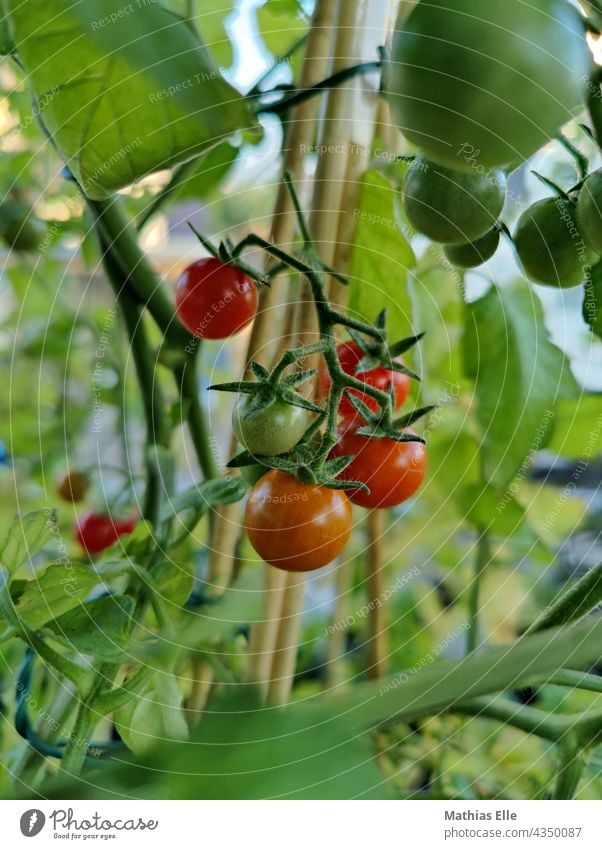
297	824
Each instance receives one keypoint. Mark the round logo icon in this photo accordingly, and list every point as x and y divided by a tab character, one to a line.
32	822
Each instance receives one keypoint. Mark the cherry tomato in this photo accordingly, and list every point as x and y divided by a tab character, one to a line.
72	487
295	526
550	246
350	354
472	254
270	430
392	470
97	531
477	84
452	206
215	300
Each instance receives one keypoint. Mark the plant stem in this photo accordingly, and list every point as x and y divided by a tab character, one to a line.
199	433
571	605
120	236
178	178
76	749
577	680
158	430
332	82
572	763
483	556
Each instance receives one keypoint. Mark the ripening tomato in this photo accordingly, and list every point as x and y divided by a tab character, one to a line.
392	470
270	430
97	531
350	354
72	487
215	300
480	85
295	526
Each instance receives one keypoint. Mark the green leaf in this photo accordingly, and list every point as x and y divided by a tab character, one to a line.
519	376
211	24
99	628
281	23
330	762
382	258
592	301
174	581
26	536
212	168
134	89
441	685
153	716
57	590
577	431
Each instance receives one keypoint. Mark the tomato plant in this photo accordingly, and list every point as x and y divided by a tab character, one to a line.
350	355
214	300
297	527
330	187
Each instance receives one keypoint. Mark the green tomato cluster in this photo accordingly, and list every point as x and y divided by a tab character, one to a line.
479	88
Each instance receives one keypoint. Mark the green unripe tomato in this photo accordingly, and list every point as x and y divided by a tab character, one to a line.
589	211
452	207
270	430
475	253
550	245
488	83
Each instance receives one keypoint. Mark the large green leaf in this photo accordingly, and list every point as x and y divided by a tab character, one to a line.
59	589
519	376
444	684
578	427
26	536
122	90
154	715
99	628
382	258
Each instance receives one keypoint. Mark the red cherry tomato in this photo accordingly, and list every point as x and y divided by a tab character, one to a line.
392	470
295	526
350	354
215	300
97	531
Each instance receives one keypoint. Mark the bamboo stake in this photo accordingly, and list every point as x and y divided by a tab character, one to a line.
267	326
331	198
378	648
289	632
300	137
